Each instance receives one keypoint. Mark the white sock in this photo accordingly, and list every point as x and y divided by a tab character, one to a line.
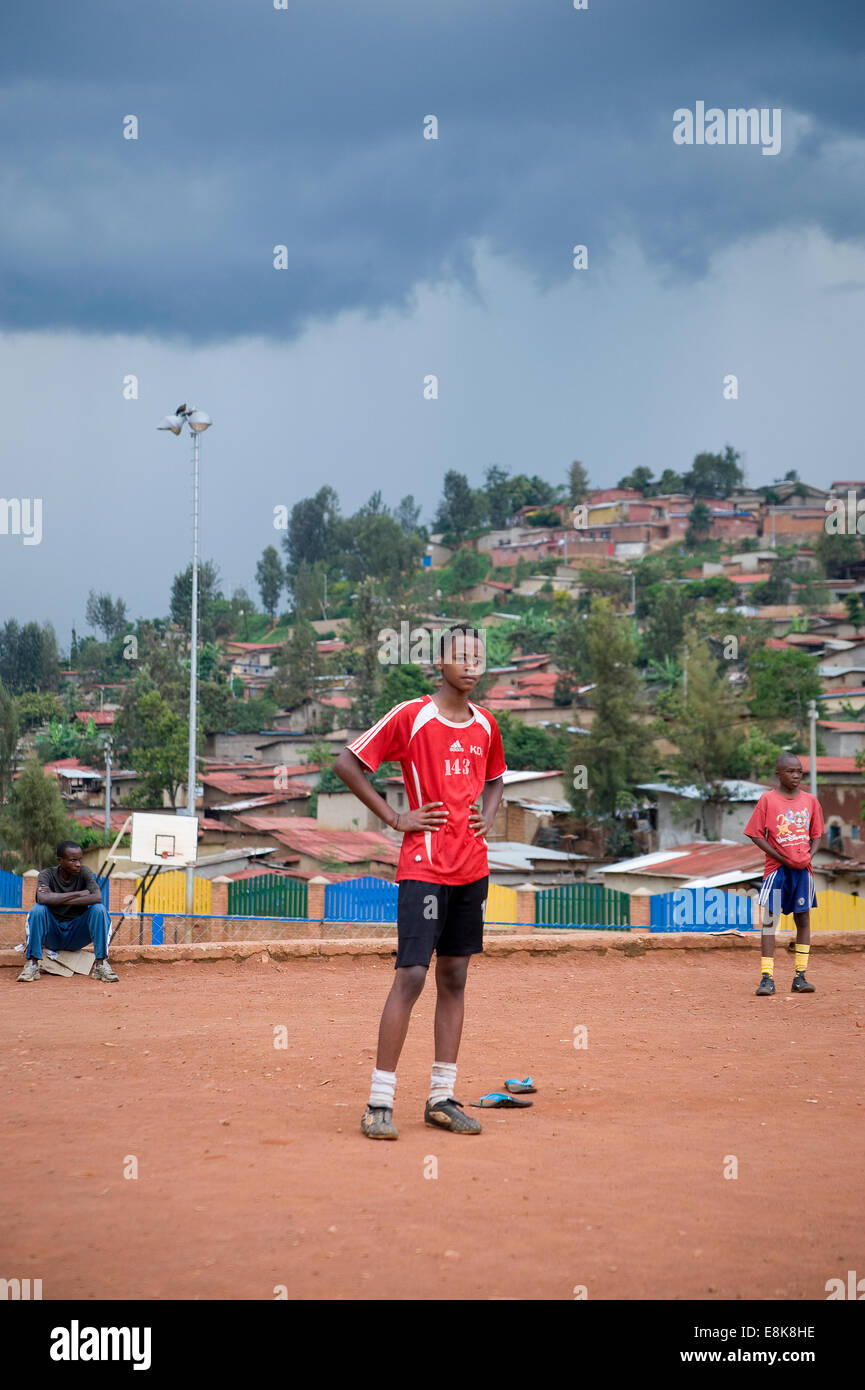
383	1088
443	1079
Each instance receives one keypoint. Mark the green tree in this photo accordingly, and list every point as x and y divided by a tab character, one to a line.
466	567
297	665
70	740
400	683
314	532
461	508
756	756
34	819
776	589
529	748
28	657
407	515
855	609
714	475
838	554
578	483
36	709
640	480
706	722
497	488
162	754
208	593
570	652
106	614
9	730
270	577
374	544
366	623
616	752
667	608
699	525
781	685
669	481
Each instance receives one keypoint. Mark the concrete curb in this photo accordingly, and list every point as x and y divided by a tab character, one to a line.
539	943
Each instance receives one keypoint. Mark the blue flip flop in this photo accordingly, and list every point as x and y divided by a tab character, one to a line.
518	1087
496	1100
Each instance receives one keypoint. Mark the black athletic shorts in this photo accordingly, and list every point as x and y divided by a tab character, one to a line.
447	918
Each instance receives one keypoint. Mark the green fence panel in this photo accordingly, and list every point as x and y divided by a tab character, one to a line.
267	896
582	905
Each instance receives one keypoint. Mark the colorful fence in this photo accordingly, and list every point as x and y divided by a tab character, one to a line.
168	893
365	899
582	905
837	912
501	909
11	889
268	895
701	909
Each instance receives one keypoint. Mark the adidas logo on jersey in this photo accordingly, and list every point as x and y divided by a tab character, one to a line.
456	747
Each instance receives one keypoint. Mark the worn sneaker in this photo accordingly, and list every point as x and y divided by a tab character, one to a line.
377	1123
102	971
30	972
800	985
448	1114
766	985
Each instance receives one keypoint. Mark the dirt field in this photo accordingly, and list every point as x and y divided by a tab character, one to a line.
252	1172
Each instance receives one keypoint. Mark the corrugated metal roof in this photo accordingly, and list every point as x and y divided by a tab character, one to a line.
303	834
699	859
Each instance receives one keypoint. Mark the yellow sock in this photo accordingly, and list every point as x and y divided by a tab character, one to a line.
767	966
802	953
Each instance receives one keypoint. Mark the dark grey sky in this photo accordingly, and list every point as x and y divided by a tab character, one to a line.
407	256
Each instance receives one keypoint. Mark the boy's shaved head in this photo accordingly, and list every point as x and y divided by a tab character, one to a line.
787	760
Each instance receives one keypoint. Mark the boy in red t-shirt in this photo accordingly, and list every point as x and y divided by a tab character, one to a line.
450	751
786	824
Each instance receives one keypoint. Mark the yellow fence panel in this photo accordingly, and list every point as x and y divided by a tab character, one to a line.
501	905
837	912
168	893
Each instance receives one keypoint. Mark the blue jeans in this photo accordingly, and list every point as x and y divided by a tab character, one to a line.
43	929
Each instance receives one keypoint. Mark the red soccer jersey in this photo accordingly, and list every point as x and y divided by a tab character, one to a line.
440	761
790	822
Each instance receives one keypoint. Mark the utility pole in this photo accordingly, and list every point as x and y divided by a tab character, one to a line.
812	769
108	785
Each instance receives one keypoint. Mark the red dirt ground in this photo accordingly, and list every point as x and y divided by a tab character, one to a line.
252	1172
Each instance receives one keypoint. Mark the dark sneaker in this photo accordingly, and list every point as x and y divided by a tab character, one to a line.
800	985
30	972
766	985
448	1114
377	1123
102	971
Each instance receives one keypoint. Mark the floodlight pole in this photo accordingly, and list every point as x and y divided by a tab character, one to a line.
192	771
197	420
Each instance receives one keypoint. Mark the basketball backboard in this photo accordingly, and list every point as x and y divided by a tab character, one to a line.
164	839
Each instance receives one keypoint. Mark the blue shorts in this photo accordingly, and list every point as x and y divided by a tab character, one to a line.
786	891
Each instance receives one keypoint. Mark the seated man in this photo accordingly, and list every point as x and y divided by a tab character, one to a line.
68	914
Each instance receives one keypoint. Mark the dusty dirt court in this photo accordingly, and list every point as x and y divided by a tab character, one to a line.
253	1174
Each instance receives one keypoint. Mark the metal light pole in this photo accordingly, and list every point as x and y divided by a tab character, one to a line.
108	785
198	422
812	745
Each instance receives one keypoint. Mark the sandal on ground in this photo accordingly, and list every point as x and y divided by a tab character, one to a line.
495	1100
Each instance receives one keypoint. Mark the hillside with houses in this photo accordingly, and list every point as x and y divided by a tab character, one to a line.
651	648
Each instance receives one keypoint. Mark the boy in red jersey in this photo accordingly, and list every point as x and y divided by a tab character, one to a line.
450	751
786	824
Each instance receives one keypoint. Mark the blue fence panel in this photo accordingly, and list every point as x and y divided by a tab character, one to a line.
104	884
700	909
11	889
365	899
